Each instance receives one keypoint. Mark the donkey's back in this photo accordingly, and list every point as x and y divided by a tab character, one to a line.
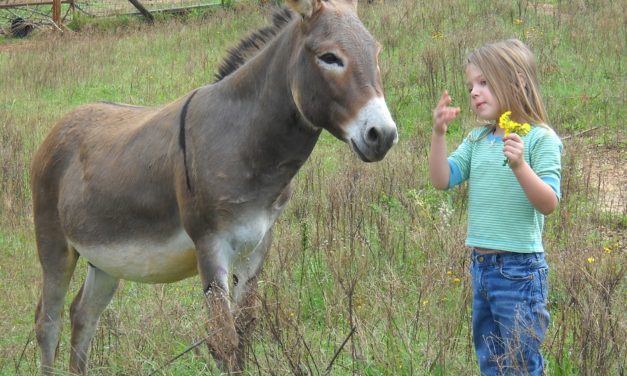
104	180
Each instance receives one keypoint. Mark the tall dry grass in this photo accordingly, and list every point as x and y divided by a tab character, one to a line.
368	273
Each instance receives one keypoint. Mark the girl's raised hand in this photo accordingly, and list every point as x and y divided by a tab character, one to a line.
443	114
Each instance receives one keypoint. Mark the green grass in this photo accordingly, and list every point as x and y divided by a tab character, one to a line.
371	246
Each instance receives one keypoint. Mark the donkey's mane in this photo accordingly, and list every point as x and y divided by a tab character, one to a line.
252	44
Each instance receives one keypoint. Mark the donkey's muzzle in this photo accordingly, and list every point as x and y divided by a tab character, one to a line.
380	140
373	133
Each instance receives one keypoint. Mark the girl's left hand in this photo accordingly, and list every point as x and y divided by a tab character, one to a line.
514	150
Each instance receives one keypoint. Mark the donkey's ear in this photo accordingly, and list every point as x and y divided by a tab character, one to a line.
353	3
305	7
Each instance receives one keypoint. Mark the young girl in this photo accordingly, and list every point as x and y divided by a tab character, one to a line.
507	203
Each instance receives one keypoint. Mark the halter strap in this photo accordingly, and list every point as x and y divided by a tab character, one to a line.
182	141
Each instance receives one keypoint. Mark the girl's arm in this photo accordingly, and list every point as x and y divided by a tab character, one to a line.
540	194
438	164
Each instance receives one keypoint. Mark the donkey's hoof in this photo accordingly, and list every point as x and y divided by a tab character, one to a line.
223	348
224	342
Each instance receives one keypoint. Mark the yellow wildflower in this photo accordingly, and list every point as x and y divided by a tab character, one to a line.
456	280
511	126
359	302
532	32
607	250
518	21
436	35
449	273
590	260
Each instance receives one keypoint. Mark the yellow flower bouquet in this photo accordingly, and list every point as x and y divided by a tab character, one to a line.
511	126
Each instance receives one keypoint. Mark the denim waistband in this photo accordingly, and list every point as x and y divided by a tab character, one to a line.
503	258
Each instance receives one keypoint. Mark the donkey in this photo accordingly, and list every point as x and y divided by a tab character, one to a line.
157	195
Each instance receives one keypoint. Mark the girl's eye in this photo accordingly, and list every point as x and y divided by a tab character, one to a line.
484	83
331	59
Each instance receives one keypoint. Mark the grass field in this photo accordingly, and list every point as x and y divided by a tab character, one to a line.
372	247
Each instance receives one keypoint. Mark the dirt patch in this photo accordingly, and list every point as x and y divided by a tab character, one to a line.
16	46
605	168
602	173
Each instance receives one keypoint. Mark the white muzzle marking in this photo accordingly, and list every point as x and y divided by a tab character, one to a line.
373	117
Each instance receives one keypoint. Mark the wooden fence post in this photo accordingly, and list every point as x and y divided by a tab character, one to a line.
56	12
142	10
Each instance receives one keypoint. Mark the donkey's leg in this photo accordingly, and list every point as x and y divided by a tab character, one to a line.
213	266
92	299
245	298
246	316
58	261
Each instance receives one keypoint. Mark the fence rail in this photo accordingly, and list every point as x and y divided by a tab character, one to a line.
22	3
46	12
116	7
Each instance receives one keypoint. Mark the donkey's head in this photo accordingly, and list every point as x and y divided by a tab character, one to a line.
335	79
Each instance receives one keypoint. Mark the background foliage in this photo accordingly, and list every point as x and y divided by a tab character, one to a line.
370	247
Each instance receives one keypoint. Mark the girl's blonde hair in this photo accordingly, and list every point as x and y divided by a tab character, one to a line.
509	68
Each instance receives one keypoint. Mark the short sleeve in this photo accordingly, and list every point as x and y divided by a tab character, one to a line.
546	158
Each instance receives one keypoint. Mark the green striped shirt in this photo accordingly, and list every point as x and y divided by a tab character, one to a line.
500	216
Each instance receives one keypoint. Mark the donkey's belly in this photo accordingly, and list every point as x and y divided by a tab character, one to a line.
144	260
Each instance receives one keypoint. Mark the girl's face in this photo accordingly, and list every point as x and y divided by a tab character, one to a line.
482	100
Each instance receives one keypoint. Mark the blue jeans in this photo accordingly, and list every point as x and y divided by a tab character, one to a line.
509	312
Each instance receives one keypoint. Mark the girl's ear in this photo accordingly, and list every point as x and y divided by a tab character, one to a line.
522	83
521	80
305	7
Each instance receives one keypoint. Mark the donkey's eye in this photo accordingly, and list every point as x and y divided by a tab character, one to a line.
331	59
